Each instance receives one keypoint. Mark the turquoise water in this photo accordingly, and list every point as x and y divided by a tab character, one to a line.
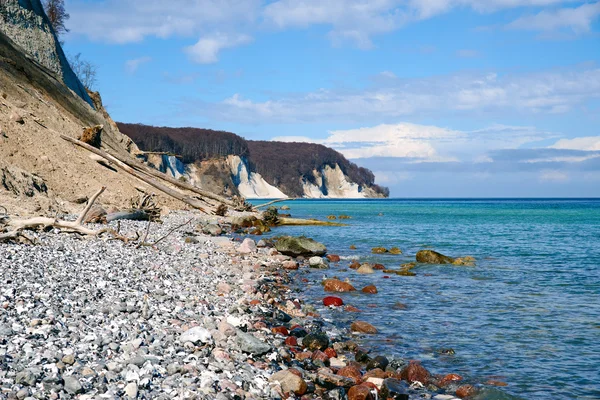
527	314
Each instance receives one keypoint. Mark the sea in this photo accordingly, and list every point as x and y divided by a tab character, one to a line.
527	314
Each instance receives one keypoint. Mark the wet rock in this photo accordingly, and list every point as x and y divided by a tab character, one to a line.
379	267
195	335
335	285
379	250
333	301
467	261
399	306
355	264
360	392
247	246
290	382
395	251
284	208
370	289
350	308
329	380
351	372
378	362
280	330
315	341
365	269
415	372
352	247
291	341
450	378
466	391
72	385
250	344
244	221
394	389
363	327
290	265
299	246
318	262
433	257
333	258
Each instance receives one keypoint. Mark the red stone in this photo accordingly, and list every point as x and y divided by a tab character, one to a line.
304	280
351	371
496	383
291	341
449	379
319	355
330	352
370	385
466	391
254	302
290	265
375	373
281	330
355	265
333	257
305	355
371	289
295	372
335	285
379	266
386	277
333	301
351	309
414	371
360	392
294	327
259	325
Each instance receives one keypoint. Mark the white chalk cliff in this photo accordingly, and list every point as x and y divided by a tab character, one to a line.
329	183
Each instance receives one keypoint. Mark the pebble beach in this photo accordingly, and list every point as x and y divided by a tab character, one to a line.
193	317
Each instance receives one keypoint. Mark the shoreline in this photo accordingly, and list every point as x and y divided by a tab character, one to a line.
201	316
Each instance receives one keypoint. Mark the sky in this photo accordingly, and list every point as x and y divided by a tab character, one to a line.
439	98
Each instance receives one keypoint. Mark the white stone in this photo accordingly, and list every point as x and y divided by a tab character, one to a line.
195	335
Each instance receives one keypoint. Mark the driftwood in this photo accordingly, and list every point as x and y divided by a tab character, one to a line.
13	228
272	202
283	221
195	203
136	215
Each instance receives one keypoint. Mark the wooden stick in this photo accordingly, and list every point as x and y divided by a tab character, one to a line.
301	222
152	182
89	205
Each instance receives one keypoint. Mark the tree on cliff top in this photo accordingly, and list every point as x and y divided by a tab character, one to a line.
55	10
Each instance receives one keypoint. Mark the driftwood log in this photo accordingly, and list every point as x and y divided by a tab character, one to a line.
13	228
195	203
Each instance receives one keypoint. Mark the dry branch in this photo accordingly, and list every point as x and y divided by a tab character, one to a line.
272	202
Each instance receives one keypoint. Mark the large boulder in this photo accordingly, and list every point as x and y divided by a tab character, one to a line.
433	257
299	246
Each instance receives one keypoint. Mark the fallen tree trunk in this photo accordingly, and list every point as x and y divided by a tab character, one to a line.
143	177
284	221
44	222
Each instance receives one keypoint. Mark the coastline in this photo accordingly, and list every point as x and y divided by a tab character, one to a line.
198	316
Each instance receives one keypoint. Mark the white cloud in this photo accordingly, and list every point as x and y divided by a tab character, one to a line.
578	19
126	21
589	143
554	91
206	50
554	176
419	143
131	66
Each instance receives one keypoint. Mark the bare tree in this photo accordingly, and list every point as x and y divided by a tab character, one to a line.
55	10
85	71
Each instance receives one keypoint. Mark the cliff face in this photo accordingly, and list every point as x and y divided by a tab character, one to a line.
226	163
26	24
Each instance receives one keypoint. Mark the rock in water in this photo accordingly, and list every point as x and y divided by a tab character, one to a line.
317	262
250	344
315	341
362	327
433	257
365	269
195	335
394	388
335	285
333	301
299	246
414	371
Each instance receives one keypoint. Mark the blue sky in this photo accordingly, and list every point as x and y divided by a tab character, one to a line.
439	98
